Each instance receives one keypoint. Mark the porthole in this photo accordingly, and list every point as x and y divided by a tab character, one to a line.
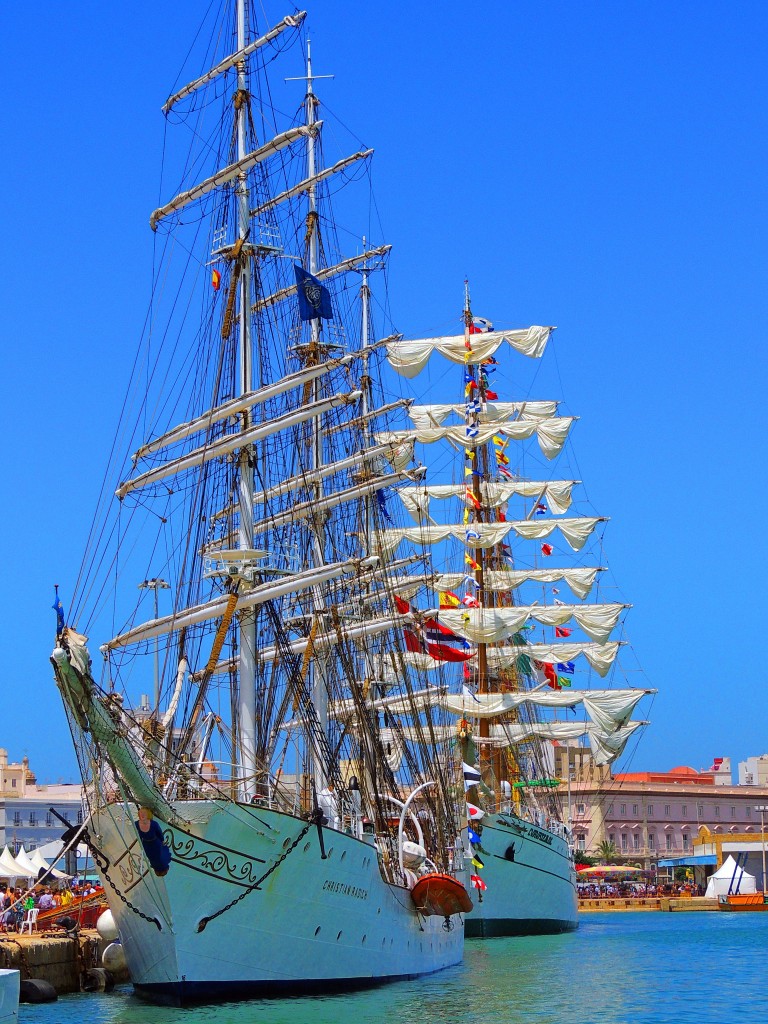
317	931
364	938
343	855
338	936
287	842
306	847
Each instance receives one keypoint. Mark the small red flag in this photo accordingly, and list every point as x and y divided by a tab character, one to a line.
547	549
402	606
491	396
562	631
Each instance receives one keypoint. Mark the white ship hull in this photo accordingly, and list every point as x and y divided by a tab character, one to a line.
9	996
311	925
530	881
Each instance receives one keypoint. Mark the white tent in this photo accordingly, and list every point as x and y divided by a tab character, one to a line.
39	862
8	866
729	877
28	869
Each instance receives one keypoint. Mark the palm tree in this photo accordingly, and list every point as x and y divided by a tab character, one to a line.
607	851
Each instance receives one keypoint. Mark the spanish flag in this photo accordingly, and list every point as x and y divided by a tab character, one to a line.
448	599
215	279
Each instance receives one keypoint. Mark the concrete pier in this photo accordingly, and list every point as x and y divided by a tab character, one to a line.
61	961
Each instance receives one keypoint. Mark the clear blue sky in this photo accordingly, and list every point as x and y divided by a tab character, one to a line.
597	166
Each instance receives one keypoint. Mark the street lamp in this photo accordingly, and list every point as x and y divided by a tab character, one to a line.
762	808
155	585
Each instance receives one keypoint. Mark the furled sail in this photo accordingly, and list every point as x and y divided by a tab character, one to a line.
290	21
231	442
490	625
550	433
557	494
312	182
322	275
579	580
226	174
486	535
410	357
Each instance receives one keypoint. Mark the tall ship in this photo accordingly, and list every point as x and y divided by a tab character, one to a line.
508	608
260	817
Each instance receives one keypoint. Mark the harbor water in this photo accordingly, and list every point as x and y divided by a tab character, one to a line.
619	968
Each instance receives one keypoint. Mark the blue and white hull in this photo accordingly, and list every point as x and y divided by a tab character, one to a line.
529	877
204	932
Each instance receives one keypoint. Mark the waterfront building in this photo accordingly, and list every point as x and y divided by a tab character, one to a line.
754	771
26	818
653	816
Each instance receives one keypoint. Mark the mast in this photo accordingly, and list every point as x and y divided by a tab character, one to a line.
246	731
313	356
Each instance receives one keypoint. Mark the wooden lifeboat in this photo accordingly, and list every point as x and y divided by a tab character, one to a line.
440	895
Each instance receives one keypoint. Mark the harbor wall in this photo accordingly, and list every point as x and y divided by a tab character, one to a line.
62	962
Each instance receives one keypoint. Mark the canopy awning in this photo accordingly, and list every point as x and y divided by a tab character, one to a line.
679	862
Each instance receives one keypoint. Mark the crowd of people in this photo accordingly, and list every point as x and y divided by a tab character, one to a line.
637	890
15	902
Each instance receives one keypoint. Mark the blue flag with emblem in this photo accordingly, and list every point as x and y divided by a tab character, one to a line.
314	297
59	609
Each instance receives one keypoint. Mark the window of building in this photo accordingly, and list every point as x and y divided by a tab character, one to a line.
651	841
668	841
686	839
580	809
581	842
685	810
733	812
748	811
636	841
13	783
650	810
717	810
610	809
635	810
700	810
666	809
79	817
624	842
49	819
32	818
623	809
65	815
17	817
612	838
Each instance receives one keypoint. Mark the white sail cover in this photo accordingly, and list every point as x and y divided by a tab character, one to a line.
607	747
551	434
410	357
579	580
557	494
486	535
608	709
489	625
600	656
425	416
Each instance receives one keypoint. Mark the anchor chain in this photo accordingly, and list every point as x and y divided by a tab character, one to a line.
246	892
102	861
